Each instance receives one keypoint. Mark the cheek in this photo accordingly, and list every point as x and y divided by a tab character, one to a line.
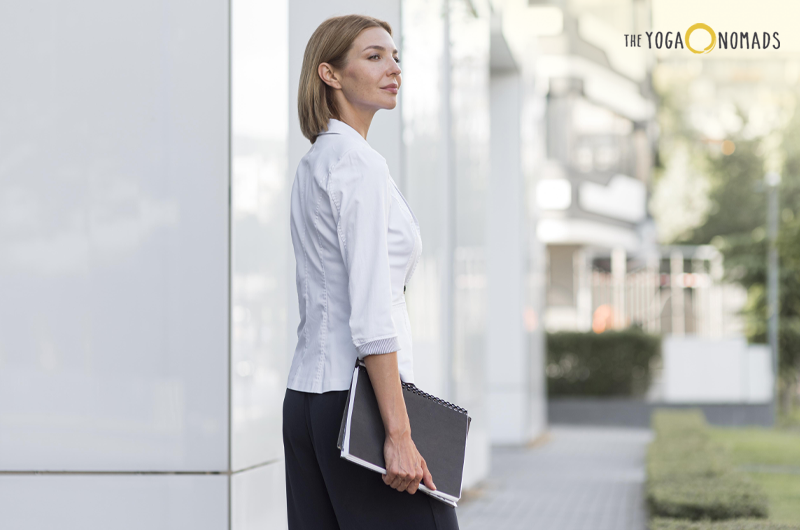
366	80
371	75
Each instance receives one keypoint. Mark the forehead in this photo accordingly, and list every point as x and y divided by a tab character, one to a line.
374	39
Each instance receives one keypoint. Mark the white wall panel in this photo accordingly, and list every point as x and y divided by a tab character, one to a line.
702	370
121	502
113	235
258	498
507	372
470	105
260	240
446	142
425	186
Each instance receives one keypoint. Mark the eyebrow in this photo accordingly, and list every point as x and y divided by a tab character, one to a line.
381	48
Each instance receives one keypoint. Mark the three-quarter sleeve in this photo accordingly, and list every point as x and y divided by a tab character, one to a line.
358	187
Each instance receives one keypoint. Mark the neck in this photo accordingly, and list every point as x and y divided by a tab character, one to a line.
358	119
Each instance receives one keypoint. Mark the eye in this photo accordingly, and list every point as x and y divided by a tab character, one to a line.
397	59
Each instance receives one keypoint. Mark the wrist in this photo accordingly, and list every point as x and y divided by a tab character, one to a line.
398	432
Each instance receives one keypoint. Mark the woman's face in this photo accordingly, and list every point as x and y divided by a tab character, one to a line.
371	78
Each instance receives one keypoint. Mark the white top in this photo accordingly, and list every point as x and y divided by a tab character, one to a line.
356	244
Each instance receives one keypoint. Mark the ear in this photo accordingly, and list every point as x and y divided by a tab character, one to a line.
328	76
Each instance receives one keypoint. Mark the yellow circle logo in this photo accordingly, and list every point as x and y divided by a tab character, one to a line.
710	31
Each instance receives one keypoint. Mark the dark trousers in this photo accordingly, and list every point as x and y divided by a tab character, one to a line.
326	492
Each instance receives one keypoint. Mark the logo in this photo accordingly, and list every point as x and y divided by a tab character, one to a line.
710	31
734	40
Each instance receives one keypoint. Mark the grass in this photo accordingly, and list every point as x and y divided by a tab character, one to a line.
755	446
689	476
783	494
733	524
779	450
791	419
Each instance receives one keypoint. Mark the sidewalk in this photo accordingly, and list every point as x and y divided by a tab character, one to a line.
580	478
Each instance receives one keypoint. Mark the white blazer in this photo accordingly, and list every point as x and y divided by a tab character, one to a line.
356	244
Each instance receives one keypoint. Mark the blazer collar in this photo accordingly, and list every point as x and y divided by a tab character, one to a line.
339	127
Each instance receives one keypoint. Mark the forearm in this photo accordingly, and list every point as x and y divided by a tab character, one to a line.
385	379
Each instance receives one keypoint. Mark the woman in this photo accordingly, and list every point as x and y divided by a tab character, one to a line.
356	245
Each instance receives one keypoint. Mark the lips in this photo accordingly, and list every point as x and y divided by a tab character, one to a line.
391	88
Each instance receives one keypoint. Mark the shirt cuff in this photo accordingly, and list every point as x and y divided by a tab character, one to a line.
388	345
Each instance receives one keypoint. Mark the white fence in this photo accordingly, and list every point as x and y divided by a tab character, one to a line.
703	370
665	297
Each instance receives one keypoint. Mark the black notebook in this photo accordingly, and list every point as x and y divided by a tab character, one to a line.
439	430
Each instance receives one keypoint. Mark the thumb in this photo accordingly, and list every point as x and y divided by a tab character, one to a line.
427	479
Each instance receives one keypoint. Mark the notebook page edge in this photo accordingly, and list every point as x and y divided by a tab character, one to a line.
362	462
466	441
346	445
444	497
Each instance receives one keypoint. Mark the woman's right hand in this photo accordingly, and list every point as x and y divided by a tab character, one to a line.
405	467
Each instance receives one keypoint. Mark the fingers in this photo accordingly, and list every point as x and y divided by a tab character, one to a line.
405	467
400	480
394	478
414	485
406	481
403	481
397	482
427	479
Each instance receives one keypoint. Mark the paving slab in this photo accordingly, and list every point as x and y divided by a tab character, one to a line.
575	478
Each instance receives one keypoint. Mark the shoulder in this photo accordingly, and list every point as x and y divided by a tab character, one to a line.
341	150
360	177
358	168
359	158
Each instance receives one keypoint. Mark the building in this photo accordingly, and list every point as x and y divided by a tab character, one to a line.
599	123
148	311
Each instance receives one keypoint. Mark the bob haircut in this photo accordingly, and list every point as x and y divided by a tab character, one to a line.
329	44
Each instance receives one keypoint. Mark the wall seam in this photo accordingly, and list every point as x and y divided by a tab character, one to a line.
230	264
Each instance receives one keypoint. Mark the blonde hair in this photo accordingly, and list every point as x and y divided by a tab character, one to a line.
329	44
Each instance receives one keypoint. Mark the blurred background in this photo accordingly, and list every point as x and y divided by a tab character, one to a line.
609	230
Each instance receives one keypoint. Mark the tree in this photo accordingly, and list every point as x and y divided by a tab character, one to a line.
736	224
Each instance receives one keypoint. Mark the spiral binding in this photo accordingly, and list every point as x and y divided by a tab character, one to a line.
411	387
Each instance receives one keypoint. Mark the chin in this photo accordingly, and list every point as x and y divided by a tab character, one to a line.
391	104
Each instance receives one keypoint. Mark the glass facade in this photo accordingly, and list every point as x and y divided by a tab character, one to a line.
259	229
470	130
425	185
446	142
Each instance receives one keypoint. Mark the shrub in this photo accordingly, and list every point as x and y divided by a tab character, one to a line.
682	447
613	363
725	496
735	524
690	477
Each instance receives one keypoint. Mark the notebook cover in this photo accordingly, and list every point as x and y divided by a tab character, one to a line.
438	431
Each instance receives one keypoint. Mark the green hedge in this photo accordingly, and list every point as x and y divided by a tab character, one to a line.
734	524
613	363
690	477
725	496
